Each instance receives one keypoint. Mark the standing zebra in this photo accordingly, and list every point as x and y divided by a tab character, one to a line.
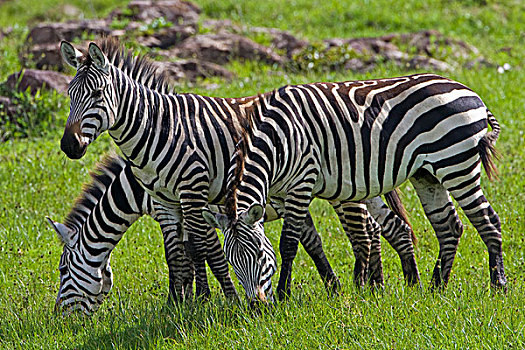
178	145
355	140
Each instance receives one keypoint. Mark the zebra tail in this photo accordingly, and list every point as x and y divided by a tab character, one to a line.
395	203
487	147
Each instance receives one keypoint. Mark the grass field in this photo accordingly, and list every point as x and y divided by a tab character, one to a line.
36	180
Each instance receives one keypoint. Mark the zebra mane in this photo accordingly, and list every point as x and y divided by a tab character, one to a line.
101	177
247	123
140	68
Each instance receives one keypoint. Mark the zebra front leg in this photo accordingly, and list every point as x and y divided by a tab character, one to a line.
219	265
313	245
195	231
399	235
311	241
376	265
288	245
180	267
353	217
443	216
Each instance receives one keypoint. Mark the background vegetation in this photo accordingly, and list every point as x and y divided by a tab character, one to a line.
37	180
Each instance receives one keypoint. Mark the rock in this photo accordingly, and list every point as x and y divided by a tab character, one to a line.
221	25
43	56
427	63
281	39
223	47
56	32
175	11
38	79
192	69
380	49
167	37
357	65
433	44
367	46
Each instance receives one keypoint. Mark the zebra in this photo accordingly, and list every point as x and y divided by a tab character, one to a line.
178	145
108	205
354	140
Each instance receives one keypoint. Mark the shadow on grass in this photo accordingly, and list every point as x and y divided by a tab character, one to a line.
151	325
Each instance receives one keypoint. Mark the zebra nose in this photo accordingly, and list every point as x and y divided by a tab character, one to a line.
261	295
73	145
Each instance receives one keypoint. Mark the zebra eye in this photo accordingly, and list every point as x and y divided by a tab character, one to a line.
62	269
97	93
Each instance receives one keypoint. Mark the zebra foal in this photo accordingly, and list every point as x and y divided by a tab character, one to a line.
108	205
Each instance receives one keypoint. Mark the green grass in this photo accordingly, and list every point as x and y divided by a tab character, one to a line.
38	180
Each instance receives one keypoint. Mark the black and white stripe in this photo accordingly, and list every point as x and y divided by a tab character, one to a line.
350	141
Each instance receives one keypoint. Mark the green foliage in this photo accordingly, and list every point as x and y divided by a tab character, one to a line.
30	115
155	25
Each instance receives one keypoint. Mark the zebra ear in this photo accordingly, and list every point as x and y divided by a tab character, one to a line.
217	220
65	234
252	215
99	59
70	54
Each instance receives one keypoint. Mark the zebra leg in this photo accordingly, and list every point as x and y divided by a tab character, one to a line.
195	231
218	264
353	217
376	265
313	245
480	213
398	234
295	213
180	267
311	241
443	216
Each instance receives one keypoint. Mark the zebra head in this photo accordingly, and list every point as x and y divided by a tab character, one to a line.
249	251
93	106
83	284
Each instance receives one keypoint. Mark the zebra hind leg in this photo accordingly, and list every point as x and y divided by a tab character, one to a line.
399	235
480	213
443	216
313	245
353	217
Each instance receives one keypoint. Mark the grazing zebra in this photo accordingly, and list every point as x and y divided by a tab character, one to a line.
106	208
178	145
355	140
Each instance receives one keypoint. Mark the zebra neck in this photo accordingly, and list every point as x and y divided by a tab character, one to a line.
98	237
139	113
251	190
